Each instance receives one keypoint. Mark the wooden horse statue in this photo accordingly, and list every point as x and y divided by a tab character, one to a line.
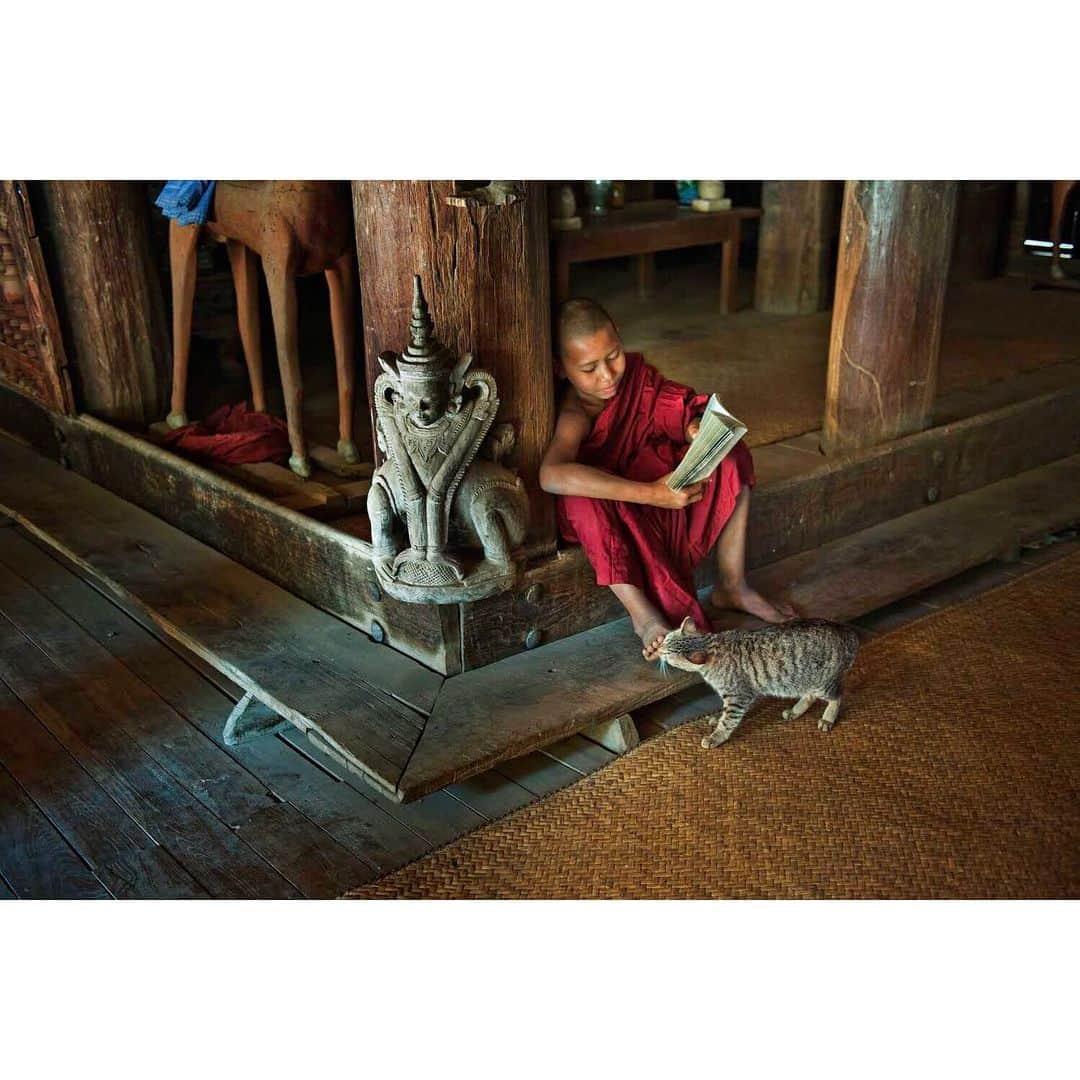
298	227
1059	195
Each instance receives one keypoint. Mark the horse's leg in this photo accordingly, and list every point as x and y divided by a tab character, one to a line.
1059	194
282	288
244	263
182	242
341	280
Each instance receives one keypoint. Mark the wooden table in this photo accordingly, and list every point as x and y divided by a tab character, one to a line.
646	227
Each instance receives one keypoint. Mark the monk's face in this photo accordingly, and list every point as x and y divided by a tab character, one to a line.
595	364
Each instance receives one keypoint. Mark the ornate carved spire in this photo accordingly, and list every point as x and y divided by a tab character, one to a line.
423	345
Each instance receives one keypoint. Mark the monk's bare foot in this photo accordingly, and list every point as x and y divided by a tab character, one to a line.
652	637
743	598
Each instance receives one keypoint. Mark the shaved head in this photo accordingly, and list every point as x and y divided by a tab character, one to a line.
580	318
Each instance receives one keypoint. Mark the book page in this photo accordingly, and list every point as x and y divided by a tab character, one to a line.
718	433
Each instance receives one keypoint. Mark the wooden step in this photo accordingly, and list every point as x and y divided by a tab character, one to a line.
507	708
362	703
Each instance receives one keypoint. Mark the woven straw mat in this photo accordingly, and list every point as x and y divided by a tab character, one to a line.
952	772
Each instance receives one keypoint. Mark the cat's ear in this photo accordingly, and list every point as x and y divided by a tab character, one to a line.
688	626
698	657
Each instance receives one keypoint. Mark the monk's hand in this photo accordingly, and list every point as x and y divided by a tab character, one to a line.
692	429
661	495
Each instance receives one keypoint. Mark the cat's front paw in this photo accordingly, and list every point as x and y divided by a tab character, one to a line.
825	725
716	738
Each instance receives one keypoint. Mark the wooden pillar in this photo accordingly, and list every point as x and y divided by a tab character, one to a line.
485	270
797	226
895	241
110	294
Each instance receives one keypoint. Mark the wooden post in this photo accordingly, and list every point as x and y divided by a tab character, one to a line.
797	225
111	294
895	241
485	269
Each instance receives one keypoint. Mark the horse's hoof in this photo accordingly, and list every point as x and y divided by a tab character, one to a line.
301	465
347	449
177	419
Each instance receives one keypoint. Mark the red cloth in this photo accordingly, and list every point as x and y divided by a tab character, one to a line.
234	436
640	435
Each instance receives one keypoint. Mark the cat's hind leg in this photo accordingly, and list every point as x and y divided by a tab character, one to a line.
799	707
831	695
828	718
735	708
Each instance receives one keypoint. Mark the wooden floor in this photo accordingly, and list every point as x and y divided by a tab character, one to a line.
114	780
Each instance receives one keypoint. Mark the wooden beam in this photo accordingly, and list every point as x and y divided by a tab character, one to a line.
895	241
485	274
109	288
797	226
324	565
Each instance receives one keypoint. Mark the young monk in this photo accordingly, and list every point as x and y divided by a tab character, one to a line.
621	430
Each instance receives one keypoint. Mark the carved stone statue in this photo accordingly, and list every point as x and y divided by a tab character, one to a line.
433	418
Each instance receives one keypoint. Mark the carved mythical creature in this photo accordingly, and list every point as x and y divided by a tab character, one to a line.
432	415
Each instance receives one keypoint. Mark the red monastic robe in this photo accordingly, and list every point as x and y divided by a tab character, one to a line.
640	435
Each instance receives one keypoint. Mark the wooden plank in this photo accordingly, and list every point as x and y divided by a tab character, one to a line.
897	558
201	842
278	832
343	813
539	774
35	860
330	460
320	674
485	716
510	708
582	755
326	566
491	794
122	854
229	791
319	867
852	492
438	817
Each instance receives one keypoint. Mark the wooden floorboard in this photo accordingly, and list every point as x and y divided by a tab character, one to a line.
580	754
345	815
123	855
539	774
203	768
36	862
307	665
198	839
491	794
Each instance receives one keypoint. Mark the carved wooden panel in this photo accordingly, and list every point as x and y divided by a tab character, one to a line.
31	352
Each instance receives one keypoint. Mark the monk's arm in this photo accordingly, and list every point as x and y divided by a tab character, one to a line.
562	474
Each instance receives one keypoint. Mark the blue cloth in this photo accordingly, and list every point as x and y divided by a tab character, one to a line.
187	201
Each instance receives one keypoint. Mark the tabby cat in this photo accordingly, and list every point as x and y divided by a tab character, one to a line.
805	658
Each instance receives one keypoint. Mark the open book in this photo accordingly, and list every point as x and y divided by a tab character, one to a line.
719	432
